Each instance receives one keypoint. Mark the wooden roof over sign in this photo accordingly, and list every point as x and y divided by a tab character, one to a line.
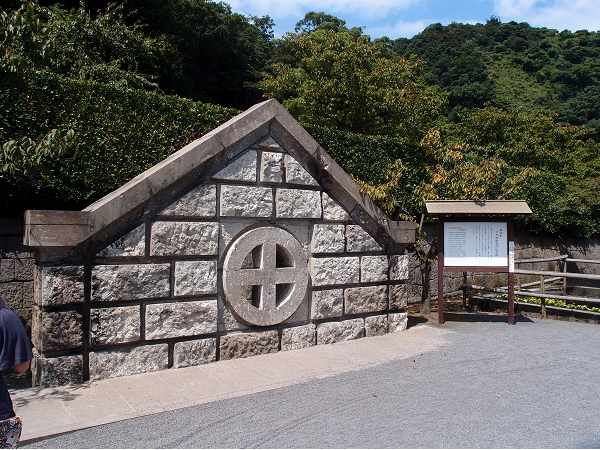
472	207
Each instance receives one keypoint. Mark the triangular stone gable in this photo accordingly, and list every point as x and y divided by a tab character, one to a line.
247	241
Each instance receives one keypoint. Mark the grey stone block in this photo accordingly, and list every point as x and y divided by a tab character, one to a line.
179	319
328	238
366	299
397	322
59	330
373	268
132	244
194	353
332	332
243	168
7	270
227	321
327	304
114	325
61	285
24	269
358	240
271	167
184	238
399	267
400	295
299	337
121	362
59	371
199	202
296	174
298	204
228	231
376	325
268	143
335	270
332	211
195	278
241	345
12	293
246	201
129	282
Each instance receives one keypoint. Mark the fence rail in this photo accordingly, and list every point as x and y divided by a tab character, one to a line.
541	293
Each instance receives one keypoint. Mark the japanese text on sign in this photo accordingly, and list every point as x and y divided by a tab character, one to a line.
475	244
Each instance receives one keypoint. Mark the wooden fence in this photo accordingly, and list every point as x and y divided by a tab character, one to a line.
545	287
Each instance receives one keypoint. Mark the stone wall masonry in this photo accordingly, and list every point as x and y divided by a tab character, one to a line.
176	319
158	295
299	337
332	332
376	325
241	345
246	201
116	363
332	211
333	271
243	168
200	202
195	278
132	244
298	204
374	268
128	282
59	285
59	330
327	304
328	238
58	371
194	353
184	238
16	269
271	167
114	325
397	322
359	240
364	300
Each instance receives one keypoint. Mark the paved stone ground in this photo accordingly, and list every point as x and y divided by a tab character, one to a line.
488	385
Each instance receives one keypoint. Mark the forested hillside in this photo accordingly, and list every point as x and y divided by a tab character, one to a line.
512	65
92	94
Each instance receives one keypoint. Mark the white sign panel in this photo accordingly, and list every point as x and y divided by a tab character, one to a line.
475	244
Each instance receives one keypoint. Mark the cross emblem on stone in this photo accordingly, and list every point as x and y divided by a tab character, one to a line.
265	276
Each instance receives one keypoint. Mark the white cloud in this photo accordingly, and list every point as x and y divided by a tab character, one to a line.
560	14
399	29
296	8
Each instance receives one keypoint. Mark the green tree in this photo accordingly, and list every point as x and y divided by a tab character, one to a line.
346	83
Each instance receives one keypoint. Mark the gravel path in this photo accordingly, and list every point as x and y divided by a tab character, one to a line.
531	385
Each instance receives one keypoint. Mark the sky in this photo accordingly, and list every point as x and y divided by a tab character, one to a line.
405	18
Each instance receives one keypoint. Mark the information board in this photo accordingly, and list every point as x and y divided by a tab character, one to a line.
475	244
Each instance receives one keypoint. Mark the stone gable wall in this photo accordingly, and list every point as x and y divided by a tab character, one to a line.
158	296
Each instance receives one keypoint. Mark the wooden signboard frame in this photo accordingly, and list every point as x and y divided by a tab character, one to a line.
481	244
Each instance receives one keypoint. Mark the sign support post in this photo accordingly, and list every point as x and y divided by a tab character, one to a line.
476	245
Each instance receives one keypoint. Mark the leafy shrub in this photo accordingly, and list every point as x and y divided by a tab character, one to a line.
118	133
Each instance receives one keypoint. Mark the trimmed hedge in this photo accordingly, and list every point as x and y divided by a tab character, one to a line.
119	133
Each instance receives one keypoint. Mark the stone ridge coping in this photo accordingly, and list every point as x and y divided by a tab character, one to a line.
46	228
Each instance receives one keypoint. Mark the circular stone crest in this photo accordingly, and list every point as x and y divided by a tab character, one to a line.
265	276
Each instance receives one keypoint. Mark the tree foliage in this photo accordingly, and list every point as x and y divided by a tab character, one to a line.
346	83
513	65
